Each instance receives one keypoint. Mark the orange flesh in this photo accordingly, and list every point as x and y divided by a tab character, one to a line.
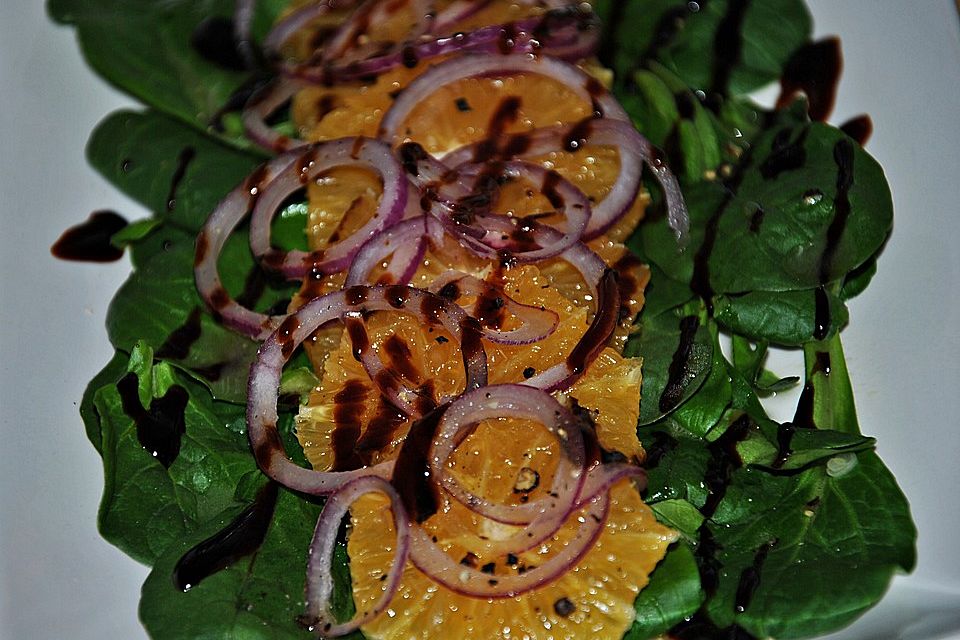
602	586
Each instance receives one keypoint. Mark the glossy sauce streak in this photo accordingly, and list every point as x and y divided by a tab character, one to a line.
178	343
727	50
601	327
859	128
187	154
160	428
627	283
843	154
411	474
348	409
242	537
90	241
679	371
785	154
750	578
813	69
215	40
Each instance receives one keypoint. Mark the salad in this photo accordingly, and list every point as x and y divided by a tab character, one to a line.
786	218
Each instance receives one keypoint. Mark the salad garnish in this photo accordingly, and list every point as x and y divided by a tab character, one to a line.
234	418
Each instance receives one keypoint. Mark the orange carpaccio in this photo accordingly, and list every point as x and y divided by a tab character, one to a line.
346	423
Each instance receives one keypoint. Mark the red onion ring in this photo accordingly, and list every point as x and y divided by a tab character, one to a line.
516	401
319	565
347	304
471	66
406	241
564	196
538	323
573	38
210	241
430	559
259	107
311	163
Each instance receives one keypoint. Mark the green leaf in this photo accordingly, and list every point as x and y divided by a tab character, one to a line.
677	352
785	318
260	596
110	373
147	506
674	593
685	37
159	305
171	169
144	48
679	515
832	546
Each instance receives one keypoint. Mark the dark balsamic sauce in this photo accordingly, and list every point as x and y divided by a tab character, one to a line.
663	444
187	154
859	128
242	537
216	41
727	51
160	428
627	282
411	474
601	327
785	154
90	241
813	69
750	578
348	408
678	373
700	627
178	343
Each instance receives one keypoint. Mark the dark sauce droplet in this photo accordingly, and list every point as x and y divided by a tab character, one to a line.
786	153
90	241
813	69
750	578
411	474
160	428
859	128
178	343
187	154
216	41
679	371
242	537
564	607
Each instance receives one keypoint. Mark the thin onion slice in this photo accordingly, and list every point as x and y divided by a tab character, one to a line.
405	243
517	402
429	558
311	163
538	323
261	106
319	565
350	305
209	244
449	71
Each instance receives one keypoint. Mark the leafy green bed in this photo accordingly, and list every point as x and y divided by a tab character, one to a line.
789	530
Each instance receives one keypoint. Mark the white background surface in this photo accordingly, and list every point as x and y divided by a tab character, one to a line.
58	579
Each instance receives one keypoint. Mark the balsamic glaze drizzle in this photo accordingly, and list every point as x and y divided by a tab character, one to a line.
90	240
242	537
187	154
680	365
813	69
160	428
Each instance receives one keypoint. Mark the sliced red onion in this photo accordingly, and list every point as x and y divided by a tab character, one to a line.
242	25
371	12
517	402
565	35
211	239
319	565
429	558
633	150
286	27
472	66
457	11
312	163
350	305
566	199
595	338
405	241
261	105
538	323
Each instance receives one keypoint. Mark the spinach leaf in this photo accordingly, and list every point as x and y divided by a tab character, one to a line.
147	504
110	373
173	170
258	596
819	553
721	46
159	305
673	593
145	49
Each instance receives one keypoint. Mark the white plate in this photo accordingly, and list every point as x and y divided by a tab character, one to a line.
59	579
